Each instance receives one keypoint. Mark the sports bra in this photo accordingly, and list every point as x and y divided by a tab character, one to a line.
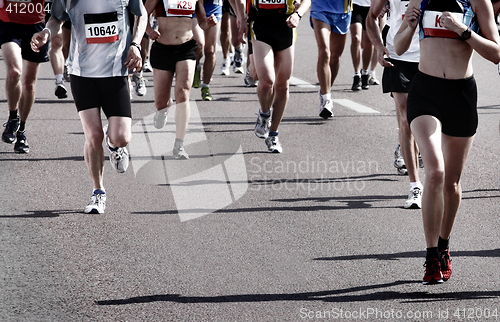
432	10
176	8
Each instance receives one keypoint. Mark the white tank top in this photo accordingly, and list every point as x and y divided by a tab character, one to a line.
397	11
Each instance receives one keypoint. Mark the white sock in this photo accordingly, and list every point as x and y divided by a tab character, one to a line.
417	184
327	97
59	78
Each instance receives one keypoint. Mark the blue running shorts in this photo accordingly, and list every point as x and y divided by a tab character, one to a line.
338	22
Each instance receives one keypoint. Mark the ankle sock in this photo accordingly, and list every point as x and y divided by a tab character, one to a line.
443	244
432	253
264	115
99	191
273	133
22	126
13	114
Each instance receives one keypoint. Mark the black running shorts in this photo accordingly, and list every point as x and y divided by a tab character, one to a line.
21	35
359	15
277	35
110	93
452	101
165	57
397	79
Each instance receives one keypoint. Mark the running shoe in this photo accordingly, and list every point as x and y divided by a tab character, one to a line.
205	93
273	144
414	200
399	162
97	204
117	156
61	91
66	74
433	273
160	118
238	62
197	77
326	109
249	81
224	69
262	126
140	85
147	66
11	128
364	81
445	262
356	83
178	152
373	79
21	145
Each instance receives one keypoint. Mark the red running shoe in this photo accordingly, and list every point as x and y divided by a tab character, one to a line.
445	261
433	273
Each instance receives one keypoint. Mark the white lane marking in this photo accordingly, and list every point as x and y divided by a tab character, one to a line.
294	81
355	106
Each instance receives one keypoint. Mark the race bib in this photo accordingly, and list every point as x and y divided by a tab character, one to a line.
272	4
101	28
181	7
431	24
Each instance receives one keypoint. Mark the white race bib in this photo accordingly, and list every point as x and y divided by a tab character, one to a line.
272	4
101	28
431	24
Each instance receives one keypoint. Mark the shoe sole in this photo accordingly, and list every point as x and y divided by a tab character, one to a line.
433	282
22	151
412	206
260	136
325	114
94	212
61	93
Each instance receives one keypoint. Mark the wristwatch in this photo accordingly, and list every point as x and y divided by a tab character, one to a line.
466	34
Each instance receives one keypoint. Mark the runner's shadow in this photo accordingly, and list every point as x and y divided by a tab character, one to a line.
416	254
335	296
41	214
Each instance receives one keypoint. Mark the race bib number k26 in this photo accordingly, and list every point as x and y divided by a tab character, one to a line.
101	28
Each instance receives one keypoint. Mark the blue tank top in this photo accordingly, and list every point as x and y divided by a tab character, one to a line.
432	10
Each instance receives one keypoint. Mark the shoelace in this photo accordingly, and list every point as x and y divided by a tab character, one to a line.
444	259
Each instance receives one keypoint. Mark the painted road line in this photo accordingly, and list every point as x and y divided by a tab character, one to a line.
294	81
355	106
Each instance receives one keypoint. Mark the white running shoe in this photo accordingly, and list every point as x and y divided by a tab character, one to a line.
117	156
326	109
262	126
273	144
147	66
160	119
97	204
414	200
399	162
372	80
224	69
178	152
238	62
249	81
140	85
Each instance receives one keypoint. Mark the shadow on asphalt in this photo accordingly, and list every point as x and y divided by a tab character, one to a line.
337	296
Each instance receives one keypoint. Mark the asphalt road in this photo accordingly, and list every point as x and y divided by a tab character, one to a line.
235	233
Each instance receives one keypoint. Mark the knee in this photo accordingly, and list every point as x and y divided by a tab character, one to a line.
209	51
121	140
266	84
451	188
434	176
14	74
94	139
324	55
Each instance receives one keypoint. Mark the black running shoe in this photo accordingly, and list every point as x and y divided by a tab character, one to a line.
21	145
61	91
364	81
11	127
356	83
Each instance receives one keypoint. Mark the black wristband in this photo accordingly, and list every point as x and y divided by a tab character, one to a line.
135	45
298	14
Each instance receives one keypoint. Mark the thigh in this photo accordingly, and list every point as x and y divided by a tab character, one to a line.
322	33
263	61
184	74
11	53
455	152
283	62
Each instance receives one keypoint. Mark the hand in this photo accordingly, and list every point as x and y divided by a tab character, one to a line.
381	58
243	32
212	21
411	16
451	22
154	34
134	60
39	39
293	20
